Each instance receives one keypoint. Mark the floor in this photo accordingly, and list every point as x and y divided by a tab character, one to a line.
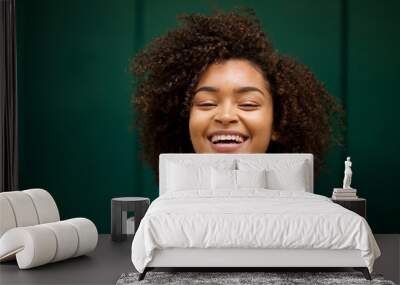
110	260
389	262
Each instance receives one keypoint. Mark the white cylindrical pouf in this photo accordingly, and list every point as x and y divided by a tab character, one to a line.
45	205
67	239
7	218
23	207
34	245
87	234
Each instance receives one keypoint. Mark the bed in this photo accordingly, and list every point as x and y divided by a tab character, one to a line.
245	211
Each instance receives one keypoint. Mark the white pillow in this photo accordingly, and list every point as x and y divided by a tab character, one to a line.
223	179
293	179
282	174
181	177
251	178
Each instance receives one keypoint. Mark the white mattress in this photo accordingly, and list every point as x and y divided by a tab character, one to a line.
252	218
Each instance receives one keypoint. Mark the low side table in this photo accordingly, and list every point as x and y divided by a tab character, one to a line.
357	205
119	209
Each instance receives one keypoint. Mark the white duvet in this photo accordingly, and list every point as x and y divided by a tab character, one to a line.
252	218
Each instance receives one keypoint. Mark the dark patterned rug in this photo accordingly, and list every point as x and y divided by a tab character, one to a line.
269	278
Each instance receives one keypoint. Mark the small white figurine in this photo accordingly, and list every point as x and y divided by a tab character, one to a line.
347	174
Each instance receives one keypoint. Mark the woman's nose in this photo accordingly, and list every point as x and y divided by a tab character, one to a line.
226	115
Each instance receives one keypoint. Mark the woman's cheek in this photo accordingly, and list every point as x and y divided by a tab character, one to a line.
198	123
259	126
256	120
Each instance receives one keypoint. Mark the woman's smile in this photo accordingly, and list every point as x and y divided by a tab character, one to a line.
232	109
227	141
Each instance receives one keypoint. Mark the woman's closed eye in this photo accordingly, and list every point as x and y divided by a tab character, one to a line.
245	106
205	104
249	106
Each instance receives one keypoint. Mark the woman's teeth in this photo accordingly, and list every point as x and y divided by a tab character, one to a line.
227	139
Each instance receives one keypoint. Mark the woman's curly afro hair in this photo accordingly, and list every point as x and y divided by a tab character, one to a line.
169	68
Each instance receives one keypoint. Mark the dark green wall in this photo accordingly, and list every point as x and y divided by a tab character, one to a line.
373	108
74	93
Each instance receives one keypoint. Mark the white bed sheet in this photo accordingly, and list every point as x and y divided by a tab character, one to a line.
251	218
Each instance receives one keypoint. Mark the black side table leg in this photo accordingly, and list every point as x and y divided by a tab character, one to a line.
116	221
140	211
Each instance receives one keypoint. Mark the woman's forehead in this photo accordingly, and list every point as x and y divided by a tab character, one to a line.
233	73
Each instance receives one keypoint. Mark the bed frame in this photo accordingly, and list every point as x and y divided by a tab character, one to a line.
248	259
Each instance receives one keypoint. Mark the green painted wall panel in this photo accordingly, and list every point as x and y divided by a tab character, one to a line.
75	104
373	100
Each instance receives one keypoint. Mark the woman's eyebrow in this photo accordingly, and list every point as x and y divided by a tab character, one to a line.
206	89
239	90
245	89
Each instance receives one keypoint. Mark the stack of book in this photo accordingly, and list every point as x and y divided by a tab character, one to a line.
344	194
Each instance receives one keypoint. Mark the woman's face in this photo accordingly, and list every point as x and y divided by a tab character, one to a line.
232	109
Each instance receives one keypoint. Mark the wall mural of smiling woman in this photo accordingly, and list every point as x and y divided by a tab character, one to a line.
216	84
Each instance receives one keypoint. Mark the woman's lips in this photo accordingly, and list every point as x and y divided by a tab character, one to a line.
227	147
